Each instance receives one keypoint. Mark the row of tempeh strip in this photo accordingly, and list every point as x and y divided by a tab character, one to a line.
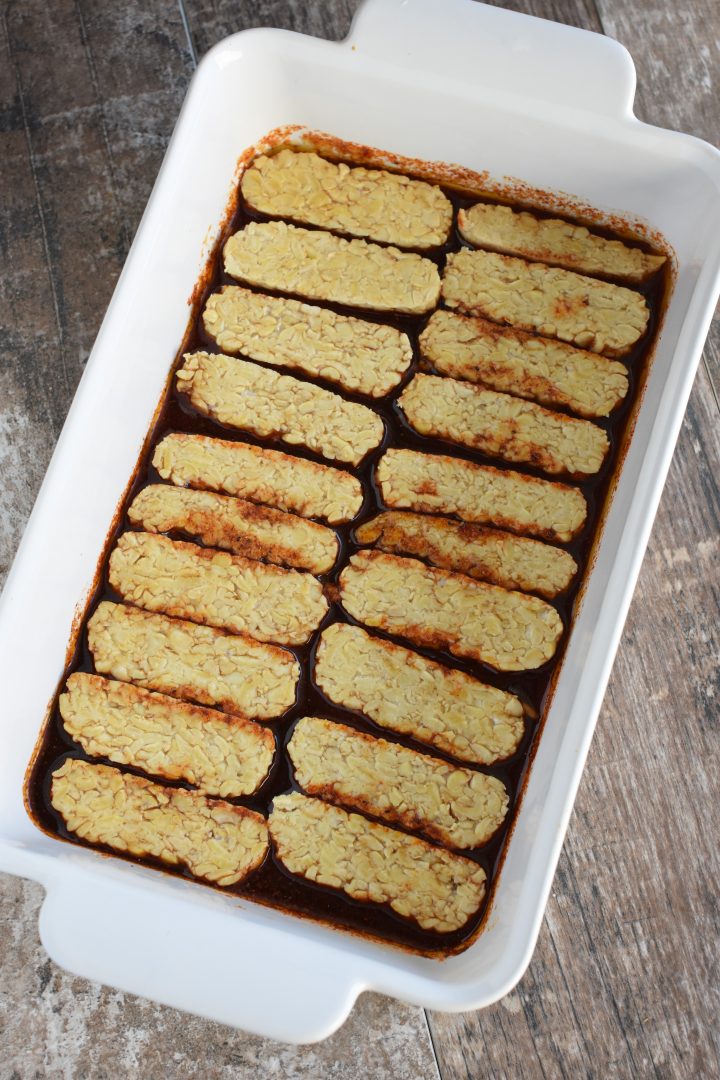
378	205
237	525
443	608
455	806
512	562
371	358
270	405
503	426
532	296
227	755
213	587
409	479
540	369
391	685
145	721
274	604
222	842
263	532
390	208
478	495
231	755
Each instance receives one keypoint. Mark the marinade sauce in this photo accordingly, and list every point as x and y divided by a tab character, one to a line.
271	884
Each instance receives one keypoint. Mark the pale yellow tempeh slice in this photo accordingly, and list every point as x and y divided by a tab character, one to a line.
529	366
362	202
449	804
198	663
215	840
551	240
320	266
218	753
513	562
270	405
214	587
478	493
511	631
363	357
244	528
593	314
435	888
503	426
261	475
404	692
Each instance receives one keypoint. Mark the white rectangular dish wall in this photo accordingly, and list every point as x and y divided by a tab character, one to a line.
449	81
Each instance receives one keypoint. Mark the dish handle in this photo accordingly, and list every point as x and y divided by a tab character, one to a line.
178	954
462	40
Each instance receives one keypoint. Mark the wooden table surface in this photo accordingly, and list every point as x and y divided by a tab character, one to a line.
624	982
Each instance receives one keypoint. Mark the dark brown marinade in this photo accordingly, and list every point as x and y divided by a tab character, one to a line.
271	884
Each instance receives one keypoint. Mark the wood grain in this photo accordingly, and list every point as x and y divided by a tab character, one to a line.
624	982
209	21
89	101
676	50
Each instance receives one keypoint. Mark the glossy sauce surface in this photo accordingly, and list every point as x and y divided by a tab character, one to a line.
272	884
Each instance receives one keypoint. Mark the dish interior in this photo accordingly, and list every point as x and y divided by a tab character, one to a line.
271	883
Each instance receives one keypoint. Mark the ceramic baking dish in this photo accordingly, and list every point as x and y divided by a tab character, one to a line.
456	82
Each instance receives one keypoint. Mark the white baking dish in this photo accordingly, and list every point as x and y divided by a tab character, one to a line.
452	81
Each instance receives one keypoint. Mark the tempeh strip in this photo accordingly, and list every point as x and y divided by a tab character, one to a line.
407	693
372	203
435	483
554	241
511	631
533	367
449	804
258	399
244	528
215	840
199	663
329	846
213	587
261	475
503	426
363	357
593	314
218	753
513	562
320	266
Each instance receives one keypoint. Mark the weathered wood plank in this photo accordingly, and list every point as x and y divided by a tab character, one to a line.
209	21
34	387
676	50
580	13
90	96
624	980
623	983
88	99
